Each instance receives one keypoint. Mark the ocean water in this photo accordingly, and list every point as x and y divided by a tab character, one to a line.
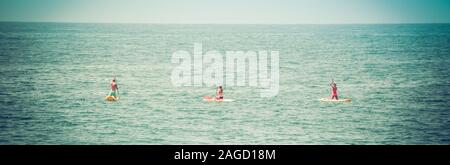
54	76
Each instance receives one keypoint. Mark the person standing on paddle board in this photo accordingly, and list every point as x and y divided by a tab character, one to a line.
219	93
333	90
114	88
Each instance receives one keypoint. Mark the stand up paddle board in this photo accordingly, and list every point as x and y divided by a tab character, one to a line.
333	100
213	99
111	98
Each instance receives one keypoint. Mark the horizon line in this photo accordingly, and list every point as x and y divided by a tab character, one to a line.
200	23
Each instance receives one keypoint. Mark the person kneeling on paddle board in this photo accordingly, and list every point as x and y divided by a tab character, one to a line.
219	93
114	88
333	90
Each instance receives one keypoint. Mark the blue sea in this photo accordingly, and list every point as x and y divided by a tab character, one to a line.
54	77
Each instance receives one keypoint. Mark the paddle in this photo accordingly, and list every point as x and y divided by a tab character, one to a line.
117	87
331	84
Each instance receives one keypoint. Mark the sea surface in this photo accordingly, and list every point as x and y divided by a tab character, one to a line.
54	77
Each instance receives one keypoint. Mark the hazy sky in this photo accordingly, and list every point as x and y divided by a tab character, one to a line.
228	11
